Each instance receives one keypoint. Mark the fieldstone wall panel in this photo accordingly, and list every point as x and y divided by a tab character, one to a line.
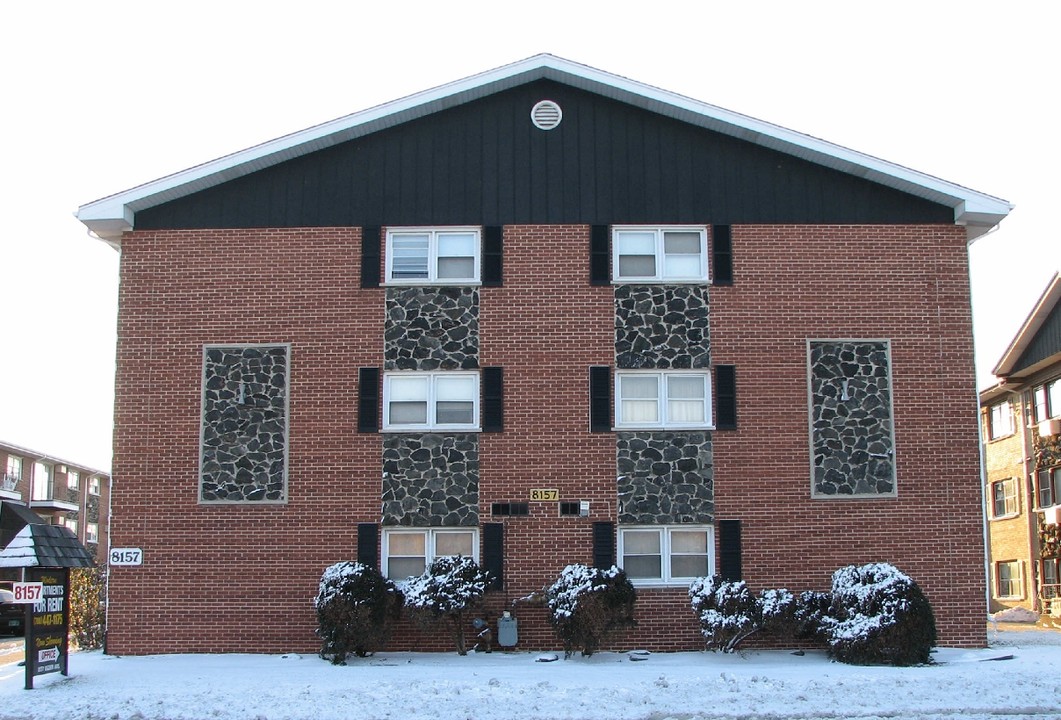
662	327
244	424
665	477
431	479
852	450
432	328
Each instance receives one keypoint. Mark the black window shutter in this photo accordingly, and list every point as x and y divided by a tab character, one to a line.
725	397
603	545
599	256
493	399
600	399
722	255
494	553
367	539
368	400
729	549
370	257
492	254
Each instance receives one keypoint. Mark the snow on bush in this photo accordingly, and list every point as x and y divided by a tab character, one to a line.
878	616
727	610
586	605
451	587
356	609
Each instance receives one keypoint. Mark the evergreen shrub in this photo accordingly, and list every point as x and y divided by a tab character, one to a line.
587	605
450	589
356	611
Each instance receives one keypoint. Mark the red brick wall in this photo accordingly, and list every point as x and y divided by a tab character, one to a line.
908	284
242	578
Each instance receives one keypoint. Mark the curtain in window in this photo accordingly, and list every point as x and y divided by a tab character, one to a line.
639	399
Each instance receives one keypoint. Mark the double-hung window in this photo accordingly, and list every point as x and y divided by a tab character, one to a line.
659	254
92	532
419	256
1047	399
73	479
93	485
670	399
447	400
408	552
1000	420
1049	490
1004	501
666	554
1008	580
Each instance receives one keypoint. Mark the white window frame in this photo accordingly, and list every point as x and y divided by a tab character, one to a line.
431	536
68	523
42	486
14	467
94	485
432	423
73	479
92	532
1015	583
659	233
665	532
434	234
663	420
1046	399
1011	499
1000	420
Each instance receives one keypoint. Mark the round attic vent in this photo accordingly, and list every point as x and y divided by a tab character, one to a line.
546	115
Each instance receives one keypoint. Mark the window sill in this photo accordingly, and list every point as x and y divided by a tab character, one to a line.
430	283
1007	516
662	584
659	428
660	281
428	430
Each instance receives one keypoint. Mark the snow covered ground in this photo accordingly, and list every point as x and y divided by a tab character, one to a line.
972	685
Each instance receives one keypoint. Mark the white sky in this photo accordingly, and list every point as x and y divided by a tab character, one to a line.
101	96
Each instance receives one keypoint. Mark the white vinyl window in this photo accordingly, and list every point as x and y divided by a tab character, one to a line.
1047	399
1009	583
1004	499
1000	420
73	479
93	485
92	532
659	254
666	553
69	523
418	256
408	552
447	400
671	399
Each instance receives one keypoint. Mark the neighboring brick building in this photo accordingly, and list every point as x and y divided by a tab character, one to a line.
61	492
1021	418
542	315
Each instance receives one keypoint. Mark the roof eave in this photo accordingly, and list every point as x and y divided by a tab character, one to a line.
1042	308
111	216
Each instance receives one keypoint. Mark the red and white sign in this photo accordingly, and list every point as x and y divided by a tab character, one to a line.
28	592
48	655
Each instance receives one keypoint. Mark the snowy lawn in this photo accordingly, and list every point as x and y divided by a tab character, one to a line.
685	686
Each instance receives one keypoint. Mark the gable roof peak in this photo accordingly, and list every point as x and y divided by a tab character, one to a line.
110	216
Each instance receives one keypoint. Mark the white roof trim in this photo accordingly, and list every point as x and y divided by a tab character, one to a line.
1032	324
109	217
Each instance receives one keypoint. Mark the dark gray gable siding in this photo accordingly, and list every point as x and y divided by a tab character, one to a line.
485	163
1047	342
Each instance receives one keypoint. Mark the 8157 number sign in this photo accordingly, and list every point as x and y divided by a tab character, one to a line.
126	556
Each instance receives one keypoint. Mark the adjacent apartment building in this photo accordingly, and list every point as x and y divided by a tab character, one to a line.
1021	426
542	315
61	492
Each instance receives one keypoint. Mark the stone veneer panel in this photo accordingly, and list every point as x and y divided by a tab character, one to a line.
662	326
431	328
431	479
665	477
244	430
852	446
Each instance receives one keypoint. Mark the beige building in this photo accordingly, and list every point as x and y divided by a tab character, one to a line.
61	492
1021	426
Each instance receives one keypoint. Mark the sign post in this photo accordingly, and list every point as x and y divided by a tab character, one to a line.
48	622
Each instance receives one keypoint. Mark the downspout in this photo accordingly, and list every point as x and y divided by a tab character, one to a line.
1029	493
983	509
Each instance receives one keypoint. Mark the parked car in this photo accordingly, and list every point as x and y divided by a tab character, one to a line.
12	615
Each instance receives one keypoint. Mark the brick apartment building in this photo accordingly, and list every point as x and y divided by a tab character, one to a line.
1021	426
59	491
542	315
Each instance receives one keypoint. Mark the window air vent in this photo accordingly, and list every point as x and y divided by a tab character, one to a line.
546	115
